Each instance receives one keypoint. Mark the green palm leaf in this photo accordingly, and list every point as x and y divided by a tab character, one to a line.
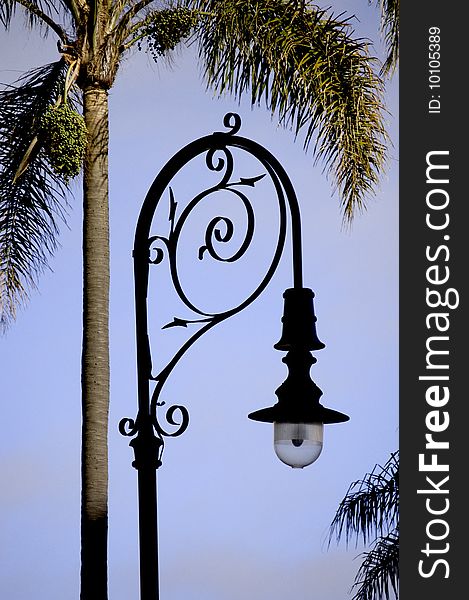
31	203
305	66
390	31
32	8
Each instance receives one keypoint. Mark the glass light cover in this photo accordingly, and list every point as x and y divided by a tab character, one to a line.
298	444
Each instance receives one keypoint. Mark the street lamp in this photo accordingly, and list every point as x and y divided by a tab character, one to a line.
298	417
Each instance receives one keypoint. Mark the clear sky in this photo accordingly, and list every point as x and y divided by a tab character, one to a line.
234	521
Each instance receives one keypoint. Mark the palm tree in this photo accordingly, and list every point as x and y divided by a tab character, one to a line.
302	62
370	512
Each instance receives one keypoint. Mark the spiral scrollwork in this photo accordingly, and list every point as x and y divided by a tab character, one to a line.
128	427
232	121
181	425
151	250
214	232
224	161
155	254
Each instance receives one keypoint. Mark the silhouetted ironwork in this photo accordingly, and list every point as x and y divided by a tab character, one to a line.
299	333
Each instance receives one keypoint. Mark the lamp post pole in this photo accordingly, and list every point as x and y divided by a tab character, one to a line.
298	416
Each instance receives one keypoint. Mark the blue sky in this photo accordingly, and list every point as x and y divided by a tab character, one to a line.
234	521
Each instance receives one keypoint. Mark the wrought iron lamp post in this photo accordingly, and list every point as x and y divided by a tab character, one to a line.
298	416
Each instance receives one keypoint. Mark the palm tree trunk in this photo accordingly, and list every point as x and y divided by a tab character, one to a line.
95	350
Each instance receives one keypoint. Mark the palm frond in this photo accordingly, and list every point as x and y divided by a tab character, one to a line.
378	576
390	31
370	506
31	204
8	9
40	13
305	65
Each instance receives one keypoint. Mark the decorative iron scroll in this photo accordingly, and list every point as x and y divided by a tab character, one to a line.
150	250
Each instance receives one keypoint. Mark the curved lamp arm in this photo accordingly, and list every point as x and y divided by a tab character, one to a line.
298	416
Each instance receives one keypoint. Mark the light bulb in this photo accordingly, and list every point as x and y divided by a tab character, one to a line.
298	444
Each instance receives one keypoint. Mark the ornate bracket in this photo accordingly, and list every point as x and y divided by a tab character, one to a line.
150	250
